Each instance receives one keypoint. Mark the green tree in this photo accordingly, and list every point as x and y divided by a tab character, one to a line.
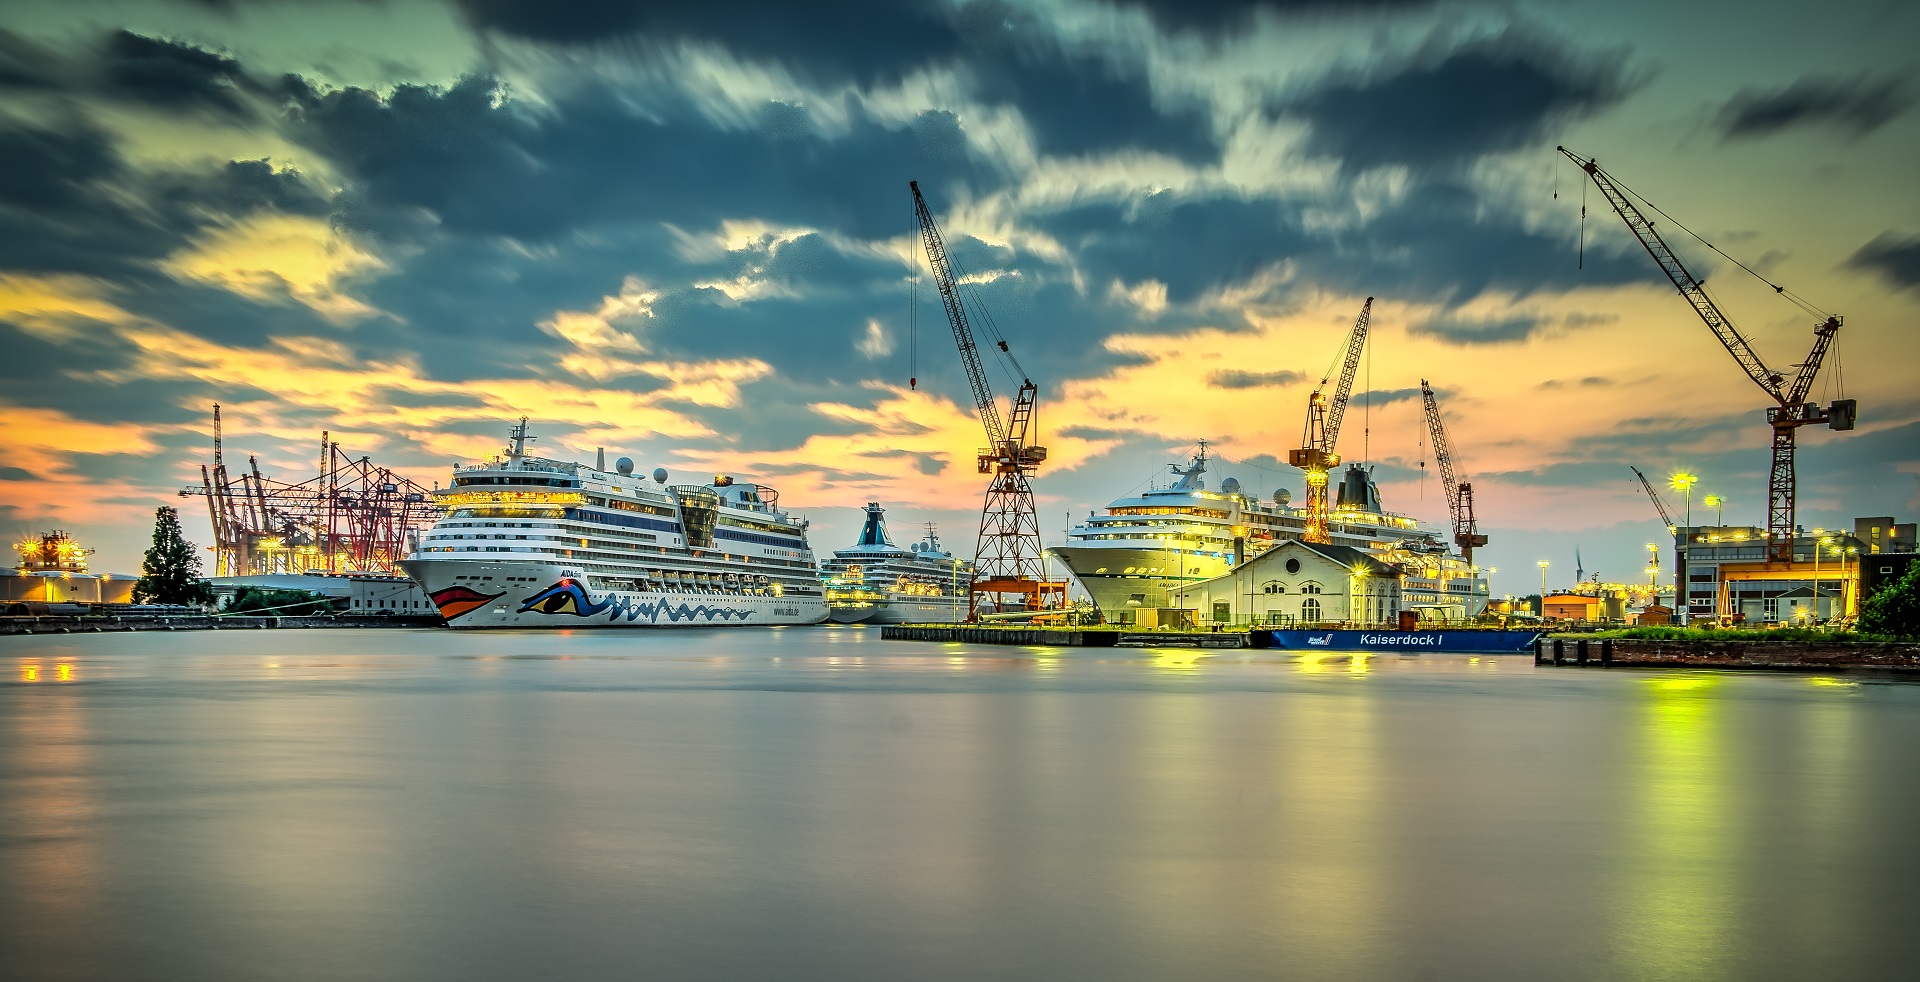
248	600
171	572
1895	607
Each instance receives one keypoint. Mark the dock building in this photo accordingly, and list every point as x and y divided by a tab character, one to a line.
1302	584
1728	577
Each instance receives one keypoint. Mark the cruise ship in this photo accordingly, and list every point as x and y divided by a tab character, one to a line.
531	542
877	582
1148	546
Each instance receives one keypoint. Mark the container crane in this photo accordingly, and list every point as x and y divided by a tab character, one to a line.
1466	534
1791	410
1007	555
1316	455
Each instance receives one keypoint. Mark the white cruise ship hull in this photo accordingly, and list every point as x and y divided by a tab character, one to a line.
509	594
900	609
1119	578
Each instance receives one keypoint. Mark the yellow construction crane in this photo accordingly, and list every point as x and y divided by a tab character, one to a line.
1316	455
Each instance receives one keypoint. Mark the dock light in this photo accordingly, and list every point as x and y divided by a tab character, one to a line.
1683	481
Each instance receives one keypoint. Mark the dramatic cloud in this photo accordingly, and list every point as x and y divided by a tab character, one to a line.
1452	106
1855	105
1234	378
1896	258
1458	330
172	74
1216	15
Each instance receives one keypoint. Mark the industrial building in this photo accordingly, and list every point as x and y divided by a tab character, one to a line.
348	593
1729	576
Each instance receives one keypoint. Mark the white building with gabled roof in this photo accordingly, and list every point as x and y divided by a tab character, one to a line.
1302	584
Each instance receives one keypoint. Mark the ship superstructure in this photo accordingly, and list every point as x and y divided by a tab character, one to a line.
532	542
877	582
1149	547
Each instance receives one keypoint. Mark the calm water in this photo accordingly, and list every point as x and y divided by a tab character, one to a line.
819	804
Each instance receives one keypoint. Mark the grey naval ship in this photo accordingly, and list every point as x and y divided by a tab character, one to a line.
875	581
1147	546
531	542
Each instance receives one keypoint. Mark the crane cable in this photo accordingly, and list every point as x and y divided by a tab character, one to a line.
913	298
1791	296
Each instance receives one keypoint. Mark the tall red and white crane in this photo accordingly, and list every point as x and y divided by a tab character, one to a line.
1466	533
1316	454
1008	559
1791	410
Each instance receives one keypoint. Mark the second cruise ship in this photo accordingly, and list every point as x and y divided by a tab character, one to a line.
1150	546
876	582
531	542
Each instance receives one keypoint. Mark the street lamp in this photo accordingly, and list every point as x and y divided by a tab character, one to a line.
1715	502
1683	481
1543	588
1827	540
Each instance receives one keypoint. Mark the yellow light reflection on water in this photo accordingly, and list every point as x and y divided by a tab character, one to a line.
1676	921
1177	659
29	672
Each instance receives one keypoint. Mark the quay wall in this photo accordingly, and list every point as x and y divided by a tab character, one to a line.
83	624
1788	655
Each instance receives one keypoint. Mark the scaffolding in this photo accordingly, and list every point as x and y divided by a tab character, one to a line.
354	516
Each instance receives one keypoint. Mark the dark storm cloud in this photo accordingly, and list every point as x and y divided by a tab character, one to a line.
172	74
479	164
1074	101
1894	257
69	202
1487	96
1217	15
26	65
1232	378
1441	242
1857	105
1190	243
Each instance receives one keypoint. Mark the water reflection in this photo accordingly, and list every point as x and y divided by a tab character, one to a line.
50	888
1676	916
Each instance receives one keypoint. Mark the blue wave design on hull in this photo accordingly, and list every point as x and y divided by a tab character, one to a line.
569	597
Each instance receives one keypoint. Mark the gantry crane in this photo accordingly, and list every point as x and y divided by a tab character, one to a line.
1466	534
1007	555
1316	455
1792	410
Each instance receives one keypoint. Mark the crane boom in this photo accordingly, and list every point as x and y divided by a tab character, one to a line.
1316	455
1660	506
1690	287
1466	532
1356	343
1791	410
957	319
1007	557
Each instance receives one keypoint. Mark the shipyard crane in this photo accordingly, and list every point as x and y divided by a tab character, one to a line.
1007	554
1660	506
1466	534
1791	410
1316	455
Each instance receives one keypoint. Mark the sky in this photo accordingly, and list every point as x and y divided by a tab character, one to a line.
683	233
